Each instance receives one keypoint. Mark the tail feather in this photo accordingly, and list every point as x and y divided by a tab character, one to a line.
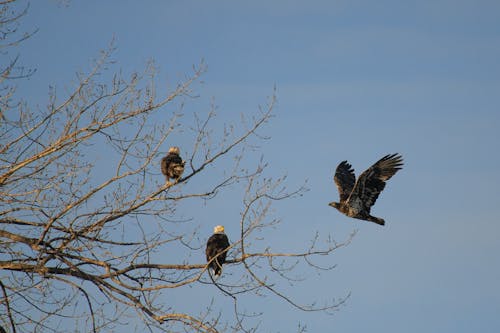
377	220
216	267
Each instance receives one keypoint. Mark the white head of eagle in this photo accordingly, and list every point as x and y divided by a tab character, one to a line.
219	229
216	251
174	150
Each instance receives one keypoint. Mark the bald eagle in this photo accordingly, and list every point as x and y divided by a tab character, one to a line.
172	165
358	196
216	251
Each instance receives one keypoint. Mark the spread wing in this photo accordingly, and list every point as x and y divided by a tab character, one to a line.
372	181
344	179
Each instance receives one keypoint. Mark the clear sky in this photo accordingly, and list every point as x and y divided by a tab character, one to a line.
355	80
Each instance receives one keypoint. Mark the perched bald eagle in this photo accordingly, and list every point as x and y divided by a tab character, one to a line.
216	251
358	196
172	165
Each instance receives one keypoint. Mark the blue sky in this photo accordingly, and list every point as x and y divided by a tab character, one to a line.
355	80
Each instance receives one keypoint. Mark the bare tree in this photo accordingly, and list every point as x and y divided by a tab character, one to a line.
83	237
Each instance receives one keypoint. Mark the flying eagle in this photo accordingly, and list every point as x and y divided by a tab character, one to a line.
217	246
172	165
358	196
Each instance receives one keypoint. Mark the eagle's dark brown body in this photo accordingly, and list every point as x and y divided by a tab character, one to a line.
216	251
358	196
172	165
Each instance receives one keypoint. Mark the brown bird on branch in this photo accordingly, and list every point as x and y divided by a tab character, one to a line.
172	165
216	251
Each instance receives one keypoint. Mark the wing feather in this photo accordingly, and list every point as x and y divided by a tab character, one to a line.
344	179
372	181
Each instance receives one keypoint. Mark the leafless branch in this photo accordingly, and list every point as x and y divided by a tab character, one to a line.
91	233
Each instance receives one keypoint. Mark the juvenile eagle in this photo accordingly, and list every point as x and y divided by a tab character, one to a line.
217	246
172	165
358	196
